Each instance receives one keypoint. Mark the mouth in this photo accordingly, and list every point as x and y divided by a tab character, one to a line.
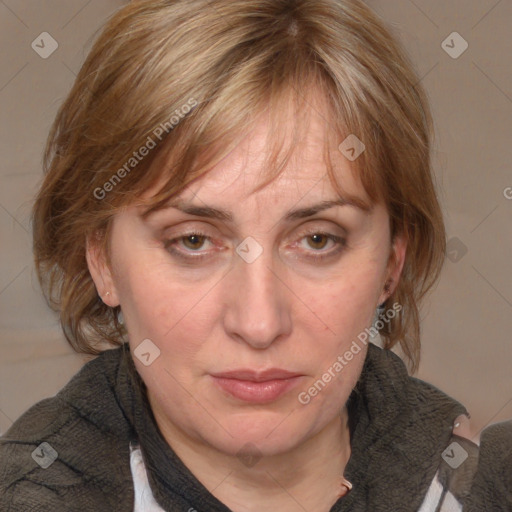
257	387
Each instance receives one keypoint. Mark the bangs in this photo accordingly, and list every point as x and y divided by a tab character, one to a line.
178	165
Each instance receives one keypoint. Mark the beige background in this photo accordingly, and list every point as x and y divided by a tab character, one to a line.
467	321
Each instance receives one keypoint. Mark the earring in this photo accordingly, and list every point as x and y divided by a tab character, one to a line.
106	295
387	287
374	330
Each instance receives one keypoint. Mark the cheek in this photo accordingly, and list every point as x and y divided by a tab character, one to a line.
176	316
324	395
346	303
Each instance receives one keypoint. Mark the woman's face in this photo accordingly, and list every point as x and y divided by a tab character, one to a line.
278	279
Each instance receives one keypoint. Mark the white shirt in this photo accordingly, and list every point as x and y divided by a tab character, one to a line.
144	499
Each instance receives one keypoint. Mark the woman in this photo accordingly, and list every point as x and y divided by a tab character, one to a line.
238	195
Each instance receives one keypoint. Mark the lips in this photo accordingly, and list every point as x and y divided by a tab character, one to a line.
257	386
257	376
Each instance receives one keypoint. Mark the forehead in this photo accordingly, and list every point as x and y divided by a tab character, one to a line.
286	154
283	156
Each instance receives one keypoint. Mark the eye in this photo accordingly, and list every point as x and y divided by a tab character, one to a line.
319	245
319	240
186	245
194	241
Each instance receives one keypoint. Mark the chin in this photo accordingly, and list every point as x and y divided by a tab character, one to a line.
265	433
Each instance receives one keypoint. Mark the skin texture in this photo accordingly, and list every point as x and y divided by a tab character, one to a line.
284	310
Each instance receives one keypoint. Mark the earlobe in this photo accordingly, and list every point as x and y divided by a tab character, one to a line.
396	263
100	272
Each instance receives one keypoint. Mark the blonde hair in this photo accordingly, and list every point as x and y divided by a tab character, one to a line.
193	74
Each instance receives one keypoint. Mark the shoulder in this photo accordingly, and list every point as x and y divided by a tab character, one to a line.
492	485
473	478
401	425
475	470
65	452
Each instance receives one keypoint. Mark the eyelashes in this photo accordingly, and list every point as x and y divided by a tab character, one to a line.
187	247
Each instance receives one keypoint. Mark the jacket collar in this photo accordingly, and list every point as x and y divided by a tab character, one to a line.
401	425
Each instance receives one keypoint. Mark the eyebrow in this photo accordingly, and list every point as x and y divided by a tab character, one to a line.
295	214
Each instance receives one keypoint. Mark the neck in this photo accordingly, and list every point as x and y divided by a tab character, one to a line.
306	478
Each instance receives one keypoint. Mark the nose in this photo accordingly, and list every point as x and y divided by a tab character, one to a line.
257	309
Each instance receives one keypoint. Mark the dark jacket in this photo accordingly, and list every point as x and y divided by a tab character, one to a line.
400	426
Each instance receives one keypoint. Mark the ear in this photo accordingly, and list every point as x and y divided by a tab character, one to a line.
100	271
395	265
